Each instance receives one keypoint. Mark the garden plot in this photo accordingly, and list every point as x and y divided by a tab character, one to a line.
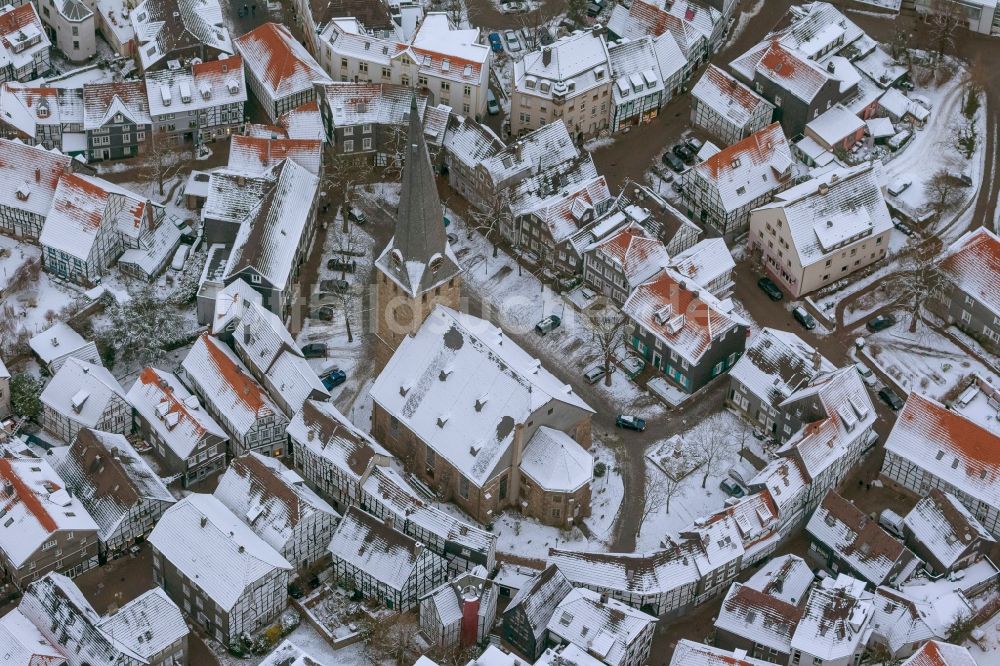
925	361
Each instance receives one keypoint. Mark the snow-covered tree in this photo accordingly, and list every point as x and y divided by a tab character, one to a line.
142	328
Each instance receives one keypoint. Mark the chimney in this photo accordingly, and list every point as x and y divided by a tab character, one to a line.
546	55
823	188
242	549
817	360
310	436
204	521
604	597
38	175
470	616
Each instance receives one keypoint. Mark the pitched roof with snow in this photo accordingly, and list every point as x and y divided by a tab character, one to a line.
289	654
786	68
29	175
328	434
269	497
540	597
214	549
146	625
566	211
533	153
759	617
385	554
744	527
556	462
103	101
81	391
834	622
941	524
580	58
686	318
689	23
951	447
35	506
203	85
274	57
835	124
25	107
728	97
109	477
303	122
22	644
638	255
255	156
658	572
461	386
59	341
776	363
936	653
689	653
165	27
470	142
604	628
172	412
704	262
747	170
973	263
227	384
636	70
837	208
448	598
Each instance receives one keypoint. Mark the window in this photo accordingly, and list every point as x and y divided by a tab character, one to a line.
386	72
431	457
254	278
463	487
76	31
349	131
366	143
343	62
467	91
349	146
366	128
363	67
76	44
422	81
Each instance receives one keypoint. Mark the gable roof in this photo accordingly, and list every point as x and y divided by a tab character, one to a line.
165	27
607	628
146	625
834	622
704	262
653	573
539	598
81	391
276	59
25	107
59	341
635	252
102	101
214	549
728	97
757	616
328	434
785	67
944	527
749	169
22	644
777	363
973	263
22	36
257	155
689	653
205	85
29	175
936	653
556	462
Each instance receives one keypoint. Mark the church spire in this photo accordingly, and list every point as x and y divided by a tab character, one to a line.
418	258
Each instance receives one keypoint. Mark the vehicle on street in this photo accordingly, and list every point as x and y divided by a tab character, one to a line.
867	376
513	43
314	350
323	313
630	422
965	179
550	323
671	161
891	398
348	266
495	42
902	226
491	103
356	215
594	375
683	152
514	8
732	488
881	322
334	377
899	186
334	285
804	317
767	285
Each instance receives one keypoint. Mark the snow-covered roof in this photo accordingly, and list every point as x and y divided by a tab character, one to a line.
213	549
880	128
567	653
747	170
22	644
164	28
268	241
81	391
29	175
556	462
658	572
638	255
880	67
22	36
728	97
362	103
547	193
461	386
689	653
289	654
172	412
818	29
109	477
759	617
899	105
233	197
980	402
636	70
580	59
606	628
203	85
103	101
567	210
540	597
973	263
146	625
834	623
704	262
835	124
936	653
786	577
533	153
36	505
682	315
303	122
231	302
274	57
776	363
59	341
786	68
470	142
269	497
323	430
369	544
227	384
688	23
256	156
858	540
949	446
944	527
27	106
742	528
148	259
448	598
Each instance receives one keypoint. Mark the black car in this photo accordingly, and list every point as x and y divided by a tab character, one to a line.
683	152
671	161
324	313
334	285
902	226
630	422
881	322
342	265
767	285
804	317
890	398
314	350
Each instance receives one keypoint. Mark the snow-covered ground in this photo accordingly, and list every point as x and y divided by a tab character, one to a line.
991	655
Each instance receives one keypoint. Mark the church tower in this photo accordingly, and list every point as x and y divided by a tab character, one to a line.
418	269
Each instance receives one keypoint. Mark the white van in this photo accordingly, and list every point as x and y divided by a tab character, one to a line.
180	256
892	522
899	186
491	103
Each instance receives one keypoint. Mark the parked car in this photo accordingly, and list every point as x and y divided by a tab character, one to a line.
491	103
892	522
550	323
334	285
594	375
594	7
683	152
630	422
694	144
767	285
804	317
335	377
314	350
891	398
513	43
732	488
899	186
965	179
346	265
495	42
323	313
867	376
356	215
671	161
881	322
904	85
514	8
180	257
902	226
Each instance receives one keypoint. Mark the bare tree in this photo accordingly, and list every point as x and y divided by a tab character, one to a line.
943	21
158	152
711	446
742	433
454	9
493	217
921	282
658	491
607	336
966	136
944	191
392	639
